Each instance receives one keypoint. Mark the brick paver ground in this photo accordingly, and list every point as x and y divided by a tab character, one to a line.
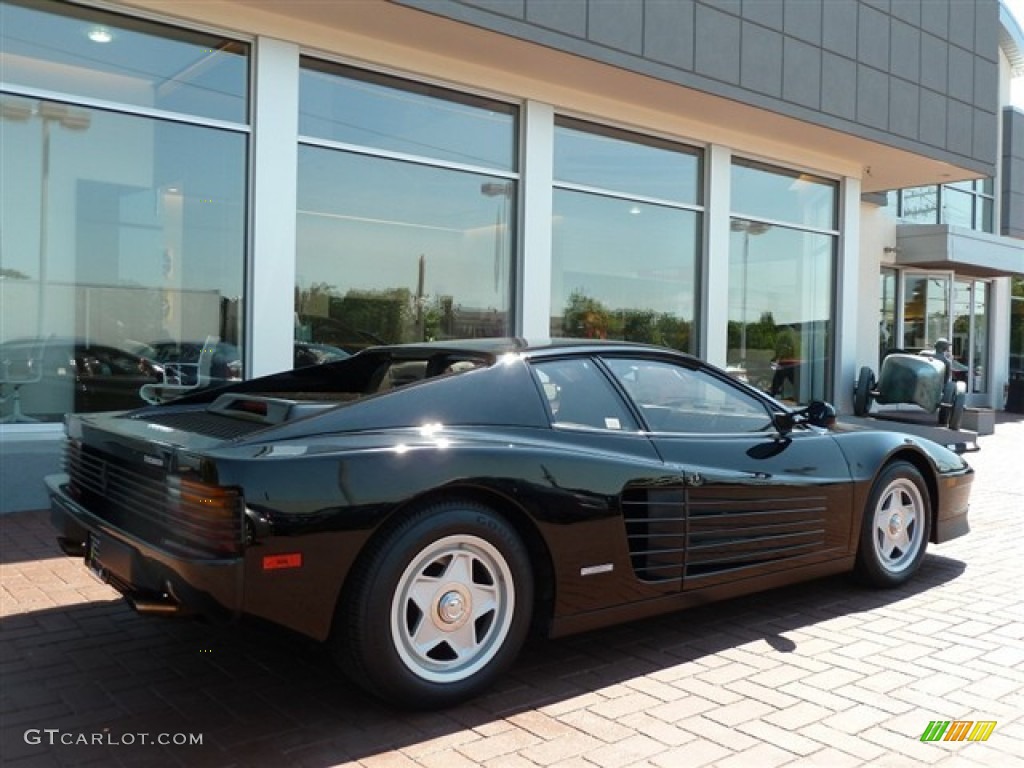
823	674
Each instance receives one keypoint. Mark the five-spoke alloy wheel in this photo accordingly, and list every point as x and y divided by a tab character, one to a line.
438	608
896	526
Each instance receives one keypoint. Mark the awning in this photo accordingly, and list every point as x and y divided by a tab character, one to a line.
965	251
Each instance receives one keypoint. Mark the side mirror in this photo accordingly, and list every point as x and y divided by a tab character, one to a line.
818	414
821	414
784	421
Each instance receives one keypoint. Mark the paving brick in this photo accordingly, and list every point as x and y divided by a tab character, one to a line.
751	690
796	717
626	752
695	755
667	734
789	740
561	748
763	756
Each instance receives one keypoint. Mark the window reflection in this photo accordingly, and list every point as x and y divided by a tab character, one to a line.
780	334
970	333
609	159
780	309
625	237
390	251
925	310
623	270
968	204
887	338
128	232
367	109
401	247
1017	327
118	59
783	195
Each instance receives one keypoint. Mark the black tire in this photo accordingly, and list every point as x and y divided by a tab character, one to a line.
895	527
956	413
862	395
438	608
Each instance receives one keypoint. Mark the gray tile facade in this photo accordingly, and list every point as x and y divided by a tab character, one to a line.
920	75
1013	173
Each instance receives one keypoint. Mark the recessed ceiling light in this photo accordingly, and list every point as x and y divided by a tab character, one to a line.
100	35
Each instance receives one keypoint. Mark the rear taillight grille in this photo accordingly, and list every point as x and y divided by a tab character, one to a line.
179	515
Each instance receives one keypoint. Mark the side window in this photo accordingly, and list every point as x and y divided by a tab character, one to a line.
579	395
674	398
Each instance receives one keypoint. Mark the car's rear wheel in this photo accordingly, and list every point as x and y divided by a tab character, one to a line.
439	607
895	528
862	396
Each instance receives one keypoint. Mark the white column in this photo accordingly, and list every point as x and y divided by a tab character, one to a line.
275	166
997	314
848	302
533	294
714	267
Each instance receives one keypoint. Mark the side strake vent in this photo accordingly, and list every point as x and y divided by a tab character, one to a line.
726	534
673	533
656	532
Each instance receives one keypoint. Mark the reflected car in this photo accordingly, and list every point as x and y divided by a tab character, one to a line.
422	508
42	379
182	359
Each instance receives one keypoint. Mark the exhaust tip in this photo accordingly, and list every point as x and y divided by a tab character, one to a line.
155	607
71	547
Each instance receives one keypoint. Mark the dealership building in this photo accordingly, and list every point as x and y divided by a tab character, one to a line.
766	184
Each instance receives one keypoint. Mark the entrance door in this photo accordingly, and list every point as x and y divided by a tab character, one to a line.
927	311
970	333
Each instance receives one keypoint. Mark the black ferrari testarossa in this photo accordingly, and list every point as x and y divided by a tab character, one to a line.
421	507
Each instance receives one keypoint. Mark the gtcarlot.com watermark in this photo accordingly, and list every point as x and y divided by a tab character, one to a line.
53	737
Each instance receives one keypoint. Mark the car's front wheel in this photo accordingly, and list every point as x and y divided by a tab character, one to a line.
439	607
895	528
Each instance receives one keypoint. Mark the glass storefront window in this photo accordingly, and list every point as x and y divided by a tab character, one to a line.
394	249
957	208
365	109
622	270
624	266
781	284
967	204
780	309
887	339
121	258
970	334
920	205
58	47
602	158
1017	327
781	195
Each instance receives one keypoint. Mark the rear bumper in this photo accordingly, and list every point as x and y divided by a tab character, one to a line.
151	579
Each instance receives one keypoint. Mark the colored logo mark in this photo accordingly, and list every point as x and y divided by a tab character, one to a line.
958	730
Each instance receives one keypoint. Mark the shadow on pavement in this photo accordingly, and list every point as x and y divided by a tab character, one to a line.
263	697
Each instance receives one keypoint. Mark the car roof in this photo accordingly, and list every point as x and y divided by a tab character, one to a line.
498	346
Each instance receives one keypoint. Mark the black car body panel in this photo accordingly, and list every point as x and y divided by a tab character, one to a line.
308	470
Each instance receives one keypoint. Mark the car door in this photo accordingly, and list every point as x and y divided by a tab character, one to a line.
749	501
